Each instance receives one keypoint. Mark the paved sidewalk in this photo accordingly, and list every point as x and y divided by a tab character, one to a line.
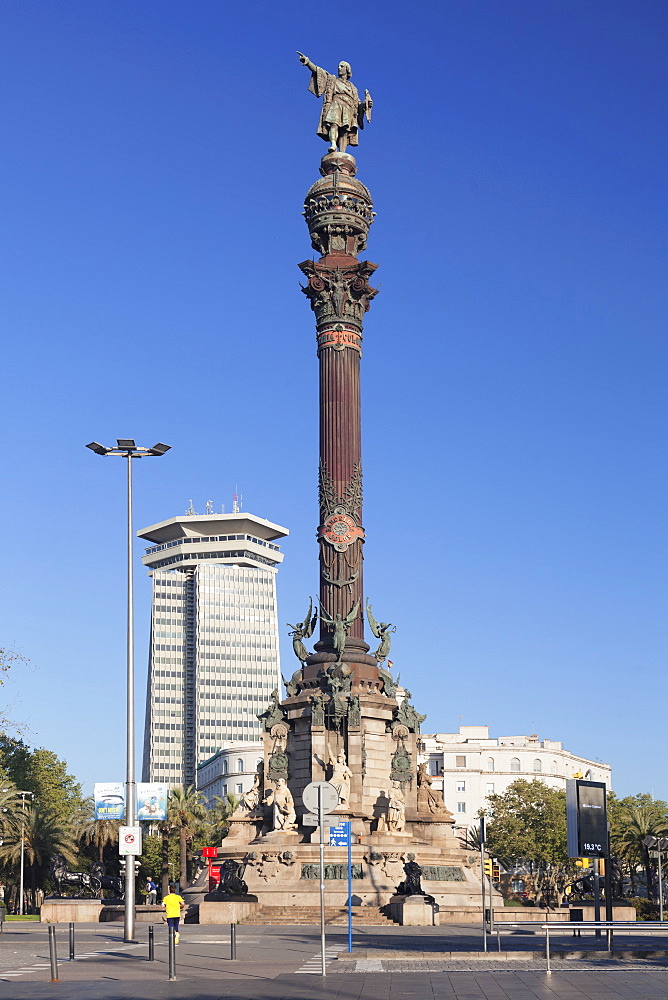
283	963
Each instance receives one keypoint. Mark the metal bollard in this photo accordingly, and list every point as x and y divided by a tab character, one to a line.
53	956
233	941
151	944
548	956
172	954
71	942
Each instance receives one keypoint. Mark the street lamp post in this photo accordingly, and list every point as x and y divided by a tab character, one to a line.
126	448
660	845
23	806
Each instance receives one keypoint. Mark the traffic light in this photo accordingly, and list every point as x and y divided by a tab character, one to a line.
488	867
123	862
601	866
582	862
496	873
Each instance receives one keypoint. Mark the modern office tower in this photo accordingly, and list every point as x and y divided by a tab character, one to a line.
214	657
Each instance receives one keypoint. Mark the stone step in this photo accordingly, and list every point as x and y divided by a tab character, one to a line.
334	915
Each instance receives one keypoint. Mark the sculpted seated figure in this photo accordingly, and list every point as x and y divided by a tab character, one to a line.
279	800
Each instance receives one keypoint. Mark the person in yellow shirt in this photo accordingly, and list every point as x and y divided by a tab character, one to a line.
174	906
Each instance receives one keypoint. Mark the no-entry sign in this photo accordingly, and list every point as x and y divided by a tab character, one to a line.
129	840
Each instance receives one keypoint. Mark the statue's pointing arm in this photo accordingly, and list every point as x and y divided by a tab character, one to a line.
305	61
318	81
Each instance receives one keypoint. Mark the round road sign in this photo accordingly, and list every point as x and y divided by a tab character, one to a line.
330	797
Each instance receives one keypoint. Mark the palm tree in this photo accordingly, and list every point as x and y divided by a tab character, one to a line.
471	840
185	809
43	834
165	828
10	802
639	822
219	813
99	832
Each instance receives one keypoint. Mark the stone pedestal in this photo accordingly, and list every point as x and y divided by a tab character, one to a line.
227	911
283	872
243	828
621	910
413	911
144	914
66	911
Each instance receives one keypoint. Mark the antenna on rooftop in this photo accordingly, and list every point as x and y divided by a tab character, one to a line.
191	510
209	506
236	502
222	508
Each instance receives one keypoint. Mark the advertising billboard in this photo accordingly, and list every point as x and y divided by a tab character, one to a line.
109	800
586	819
151	801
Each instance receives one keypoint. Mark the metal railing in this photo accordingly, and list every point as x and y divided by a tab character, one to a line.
637	927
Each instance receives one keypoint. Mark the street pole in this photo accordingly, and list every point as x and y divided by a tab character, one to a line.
22	853
482	882
127	449
21	878
491	904
607	888
660	887
321	825
350	886
23	806
130	787
597	894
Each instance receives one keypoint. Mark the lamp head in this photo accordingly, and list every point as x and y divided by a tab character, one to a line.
98	448
160	448
126	444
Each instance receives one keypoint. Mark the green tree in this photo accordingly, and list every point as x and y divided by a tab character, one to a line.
42	772
43	834
633	823
185	811
152	859
217	816
528	830
98	832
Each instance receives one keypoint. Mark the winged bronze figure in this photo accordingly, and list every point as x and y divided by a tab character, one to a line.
340	627
303	630
382	631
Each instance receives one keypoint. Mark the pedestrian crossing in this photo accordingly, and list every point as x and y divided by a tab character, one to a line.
39	966
313	966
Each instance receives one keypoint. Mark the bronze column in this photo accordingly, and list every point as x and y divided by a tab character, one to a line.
339	211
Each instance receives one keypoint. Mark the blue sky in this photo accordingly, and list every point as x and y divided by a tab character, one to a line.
154	163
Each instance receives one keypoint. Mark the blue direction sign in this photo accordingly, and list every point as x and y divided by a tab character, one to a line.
339	836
